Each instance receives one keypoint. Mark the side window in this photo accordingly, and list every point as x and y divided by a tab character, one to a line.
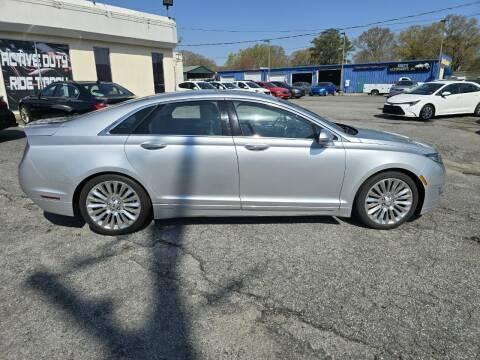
66	91
129	124
452	88
184	86
265	121
184	118
48	91
242	85
468	88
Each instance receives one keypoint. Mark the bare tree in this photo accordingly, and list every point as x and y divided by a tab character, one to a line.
374	45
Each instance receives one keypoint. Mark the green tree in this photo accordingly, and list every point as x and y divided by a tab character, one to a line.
327	47
374	45
257	56
192	59
301	57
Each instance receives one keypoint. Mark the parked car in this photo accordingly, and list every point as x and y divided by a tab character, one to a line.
323	89
295	91
7	118
229	85
436	98
251	86
71	97
194	85
276	91
212	153
305	86
402	86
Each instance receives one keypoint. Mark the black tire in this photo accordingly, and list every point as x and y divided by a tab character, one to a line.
477	111
360	212
25	115
145	203
427	113
374	92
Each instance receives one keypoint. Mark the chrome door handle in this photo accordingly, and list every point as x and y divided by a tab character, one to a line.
256	147
153	146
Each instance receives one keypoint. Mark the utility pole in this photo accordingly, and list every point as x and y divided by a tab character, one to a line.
443	22
269	48
343	61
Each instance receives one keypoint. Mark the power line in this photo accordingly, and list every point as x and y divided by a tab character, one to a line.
342	28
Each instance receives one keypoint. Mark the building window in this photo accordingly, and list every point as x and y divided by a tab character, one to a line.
158	78
102	63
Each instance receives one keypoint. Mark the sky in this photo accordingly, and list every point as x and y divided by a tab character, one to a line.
262	19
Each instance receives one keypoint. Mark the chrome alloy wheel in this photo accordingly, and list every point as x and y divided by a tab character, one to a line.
113	205
388	201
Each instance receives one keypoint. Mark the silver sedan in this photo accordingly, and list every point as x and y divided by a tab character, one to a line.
223	153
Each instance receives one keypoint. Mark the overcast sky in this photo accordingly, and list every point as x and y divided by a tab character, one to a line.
271	17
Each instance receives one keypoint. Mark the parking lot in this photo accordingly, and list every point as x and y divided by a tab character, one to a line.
250	288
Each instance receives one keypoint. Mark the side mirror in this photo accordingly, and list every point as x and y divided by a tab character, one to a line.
446	93
325	138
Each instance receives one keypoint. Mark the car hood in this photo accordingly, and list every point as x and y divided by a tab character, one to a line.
368	136
405	98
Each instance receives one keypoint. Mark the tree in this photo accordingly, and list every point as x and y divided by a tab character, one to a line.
327	47
257	56
191	59
375	45
461	41
301	57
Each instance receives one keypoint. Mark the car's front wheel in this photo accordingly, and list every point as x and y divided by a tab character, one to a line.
25	115
477	110
114	205
427	113
386	200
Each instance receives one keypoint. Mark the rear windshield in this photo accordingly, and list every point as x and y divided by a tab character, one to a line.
205	86
106	90
253	85
405	83
426	89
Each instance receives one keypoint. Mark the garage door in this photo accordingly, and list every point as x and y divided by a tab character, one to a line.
255	76
281	77
227	78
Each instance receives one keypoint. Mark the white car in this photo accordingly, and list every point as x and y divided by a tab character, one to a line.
436	98
194	85
250	86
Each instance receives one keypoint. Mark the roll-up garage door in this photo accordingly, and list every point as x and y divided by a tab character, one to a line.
255	76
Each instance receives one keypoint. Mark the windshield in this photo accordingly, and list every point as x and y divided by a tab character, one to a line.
315	115
229	85
205	86
323	84
405	83
106	90
426	89
253	85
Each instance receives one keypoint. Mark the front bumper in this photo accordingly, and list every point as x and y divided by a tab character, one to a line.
400	110
435	175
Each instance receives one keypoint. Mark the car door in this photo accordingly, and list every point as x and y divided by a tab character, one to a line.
38	106
470	96
448	104
184	152
282	166
65	100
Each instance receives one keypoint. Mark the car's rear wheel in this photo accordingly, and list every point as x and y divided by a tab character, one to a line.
114	205
375	92
25	115
386	200
477	110
427	113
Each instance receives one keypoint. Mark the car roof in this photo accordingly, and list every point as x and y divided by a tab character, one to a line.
445	82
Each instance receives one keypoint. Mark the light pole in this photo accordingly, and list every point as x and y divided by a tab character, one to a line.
443	22
269	48
343	60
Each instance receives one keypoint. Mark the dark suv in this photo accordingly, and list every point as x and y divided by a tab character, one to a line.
71	97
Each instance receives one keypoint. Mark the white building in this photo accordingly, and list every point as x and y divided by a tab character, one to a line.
46	40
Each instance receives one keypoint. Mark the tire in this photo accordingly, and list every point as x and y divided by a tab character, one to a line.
387	209
427	113
25	115
114	205
374	92
477	111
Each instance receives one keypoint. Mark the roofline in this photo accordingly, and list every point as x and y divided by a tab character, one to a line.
330	65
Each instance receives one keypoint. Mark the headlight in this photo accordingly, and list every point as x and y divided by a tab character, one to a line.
410	103
435	157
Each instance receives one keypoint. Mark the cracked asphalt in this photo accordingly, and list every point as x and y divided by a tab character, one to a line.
250	288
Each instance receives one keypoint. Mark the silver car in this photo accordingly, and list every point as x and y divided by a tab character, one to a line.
228	153
402	86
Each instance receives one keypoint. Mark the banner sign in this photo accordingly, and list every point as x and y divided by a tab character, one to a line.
28	66
409	67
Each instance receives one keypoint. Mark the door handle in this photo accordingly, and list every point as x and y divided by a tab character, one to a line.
256	147
153	146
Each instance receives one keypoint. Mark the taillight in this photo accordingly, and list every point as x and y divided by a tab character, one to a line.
99	105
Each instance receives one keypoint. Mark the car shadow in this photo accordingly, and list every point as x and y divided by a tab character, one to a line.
398	118
65	221
11	134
